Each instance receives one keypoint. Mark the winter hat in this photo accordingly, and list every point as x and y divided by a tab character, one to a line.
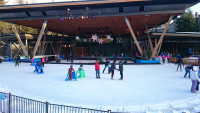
195	68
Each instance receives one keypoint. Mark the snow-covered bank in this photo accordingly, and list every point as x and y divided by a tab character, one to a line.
144	88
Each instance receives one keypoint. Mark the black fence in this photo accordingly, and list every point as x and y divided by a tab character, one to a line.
14	104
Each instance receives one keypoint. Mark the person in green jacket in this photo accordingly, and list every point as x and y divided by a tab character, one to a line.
80	71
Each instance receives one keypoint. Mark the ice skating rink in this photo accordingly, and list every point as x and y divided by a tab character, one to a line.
144	88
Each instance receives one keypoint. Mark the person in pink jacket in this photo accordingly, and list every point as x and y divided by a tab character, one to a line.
163	58
168	57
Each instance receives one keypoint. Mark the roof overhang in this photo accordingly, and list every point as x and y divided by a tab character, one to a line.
95	16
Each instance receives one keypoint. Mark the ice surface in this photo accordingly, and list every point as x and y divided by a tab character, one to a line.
145	88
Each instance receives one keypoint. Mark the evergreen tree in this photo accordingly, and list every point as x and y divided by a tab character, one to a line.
186	23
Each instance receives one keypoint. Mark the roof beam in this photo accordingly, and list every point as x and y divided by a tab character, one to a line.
19	40
40	37
133	35
28	14
162	36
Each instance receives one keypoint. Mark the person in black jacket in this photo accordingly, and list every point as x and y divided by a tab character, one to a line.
187	70
179	62
121	69
112	69
106	65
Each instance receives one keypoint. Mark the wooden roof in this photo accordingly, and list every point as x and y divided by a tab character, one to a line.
95	16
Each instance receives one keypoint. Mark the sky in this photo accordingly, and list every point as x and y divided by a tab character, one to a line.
195	8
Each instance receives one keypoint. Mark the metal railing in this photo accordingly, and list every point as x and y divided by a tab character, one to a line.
14	104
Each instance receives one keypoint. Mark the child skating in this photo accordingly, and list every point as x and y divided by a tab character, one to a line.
70	70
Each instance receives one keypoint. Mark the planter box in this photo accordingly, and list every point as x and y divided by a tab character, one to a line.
148	61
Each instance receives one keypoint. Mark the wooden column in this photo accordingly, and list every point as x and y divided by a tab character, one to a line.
43	43
39	37
145	45
133	35
10	49
18	48
27	45
19	40
61	44
156	40
162	36
150	42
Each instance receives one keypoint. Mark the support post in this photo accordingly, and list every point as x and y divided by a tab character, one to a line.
156	40
27	45
43	43
133	34
19	49
39	37
9	102
47	107
61	44
10	49
19	40
149	38
162	36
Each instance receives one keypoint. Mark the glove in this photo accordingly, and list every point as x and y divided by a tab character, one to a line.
183	65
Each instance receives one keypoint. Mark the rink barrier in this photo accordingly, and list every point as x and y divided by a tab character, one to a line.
15	104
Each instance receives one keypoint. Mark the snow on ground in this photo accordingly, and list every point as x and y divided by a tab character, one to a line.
144	88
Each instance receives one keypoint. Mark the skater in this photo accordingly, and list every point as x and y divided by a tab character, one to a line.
195	78
97	69
43	61
16	61
46	59
112	69
163	58
168	56
0	60
106	65
197	88
121	69
70	70
187	70
36	67
80	71
72	58
180	62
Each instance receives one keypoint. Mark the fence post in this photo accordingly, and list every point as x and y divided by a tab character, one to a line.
9	103
47	106
109	111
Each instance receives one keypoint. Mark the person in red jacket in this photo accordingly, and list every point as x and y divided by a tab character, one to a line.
43	61
97	69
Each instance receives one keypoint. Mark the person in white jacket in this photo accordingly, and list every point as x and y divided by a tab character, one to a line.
195	78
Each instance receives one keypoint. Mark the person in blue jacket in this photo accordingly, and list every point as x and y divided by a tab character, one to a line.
36	67
106	65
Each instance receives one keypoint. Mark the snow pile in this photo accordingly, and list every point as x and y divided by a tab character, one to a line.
145	88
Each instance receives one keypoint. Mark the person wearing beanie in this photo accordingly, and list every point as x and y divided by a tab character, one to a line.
195	78
106	65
